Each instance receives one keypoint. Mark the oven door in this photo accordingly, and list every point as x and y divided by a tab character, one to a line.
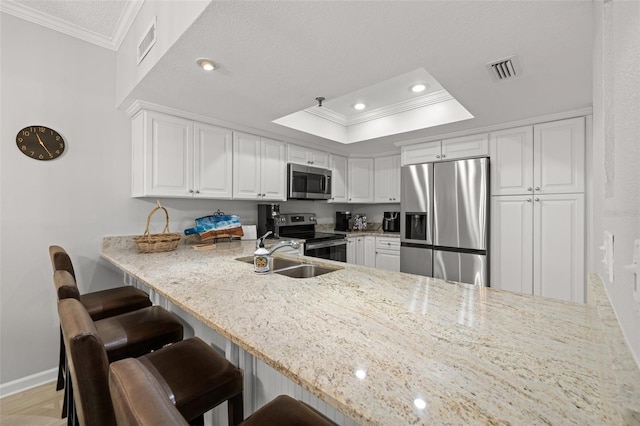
331	250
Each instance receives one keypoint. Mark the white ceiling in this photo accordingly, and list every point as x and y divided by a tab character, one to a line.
275	57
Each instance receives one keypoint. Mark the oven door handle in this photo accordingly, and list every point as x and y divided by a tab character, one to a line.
319	245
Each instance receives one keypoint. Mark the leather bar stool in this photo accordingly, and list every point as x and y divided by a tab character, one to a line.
129	334
190	373
139	400
100	304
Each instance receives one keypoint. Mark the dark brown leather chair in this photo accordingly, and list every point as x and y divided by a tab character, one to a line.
193	375
139	400
100	304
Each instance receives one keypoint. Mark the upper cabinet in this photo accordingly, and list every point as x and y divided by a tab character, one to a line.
339	174
307	156
259	168
447	149
175	157
546	158
360	180
387	179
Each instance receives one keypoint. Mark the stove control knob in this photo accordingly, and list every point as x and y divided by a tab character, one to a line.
312	218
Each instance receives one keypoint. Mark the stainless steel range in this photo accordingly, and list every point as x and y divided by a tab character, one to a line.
317	244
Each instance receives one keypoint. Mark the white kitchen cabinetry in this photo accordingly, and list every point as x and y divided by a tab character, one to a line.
360	180
361	250
307	156
338	178
387	179
259	168
537	245
546	158
447	149
388	253
175	157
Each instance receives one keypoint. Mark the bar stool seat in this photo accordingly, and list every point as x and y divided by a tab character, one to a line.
190	373
139	400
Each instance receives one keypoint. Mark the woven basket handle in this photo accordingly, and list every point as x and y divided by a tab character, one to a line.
166	215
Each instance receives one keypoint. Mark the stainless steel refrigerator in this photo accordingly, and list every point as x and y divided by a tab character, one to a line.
444	220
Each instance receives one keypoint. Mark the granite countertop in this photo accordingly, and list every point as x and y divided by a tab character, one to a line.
391	348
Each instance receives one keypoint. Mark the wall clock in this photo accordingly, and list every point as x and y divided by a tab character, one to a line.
40	143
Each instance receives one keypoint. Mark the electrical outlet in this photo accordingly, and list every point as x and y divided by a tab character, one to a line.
608	259
635	269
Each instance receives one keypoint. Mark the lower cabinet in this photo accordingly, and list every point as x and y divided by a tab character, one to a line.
537	245
388	253
361	250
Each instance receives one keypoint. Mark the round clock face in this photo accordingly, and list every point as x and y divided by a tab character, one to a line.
40	143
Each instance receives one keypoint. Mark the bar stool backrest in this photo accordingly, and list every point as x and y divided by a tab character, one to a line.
138	398
66	286
88	365
60	260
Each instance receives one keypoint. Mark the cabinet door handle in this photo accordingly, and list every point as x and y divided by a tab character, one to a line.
437	156
537	199
537	188
191	191
444	155
197	191
529	189
528	200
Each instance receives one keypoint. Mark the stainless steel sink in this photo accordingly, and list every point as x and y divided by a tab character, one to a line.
304	271
276	262
293	268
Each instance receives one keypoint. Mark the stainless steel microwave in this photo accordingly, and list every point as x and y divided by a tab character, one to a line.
308	183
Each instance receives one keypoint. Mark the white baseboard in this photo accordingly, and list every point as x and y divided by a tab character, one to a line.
28	382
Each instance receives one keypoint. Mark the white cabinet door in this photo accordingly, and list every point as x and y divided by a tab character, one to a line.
246	166
512	243
421	153
213	163
273	170
168	155
537	245
369	252
559	156
388	259
547	158
558	248
307	156
258	168
387	179
512	161
338	179
352	245
465	147
360	180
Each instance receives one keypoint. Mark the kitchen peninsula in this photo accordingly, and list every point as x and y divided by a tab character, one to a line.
389	348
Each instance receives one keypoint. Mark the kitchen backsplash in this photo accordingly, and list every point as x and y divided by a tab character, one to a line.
183	212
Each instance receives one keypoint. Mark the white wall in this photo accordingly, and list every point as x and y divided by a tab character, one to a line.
616	152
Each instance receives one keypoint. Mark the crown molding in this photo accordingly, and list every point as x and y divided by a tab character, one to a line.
127	17
397	108
501	126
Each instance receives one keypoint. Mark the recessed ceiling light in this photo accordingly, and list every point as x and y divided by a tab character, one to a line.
359	106
206	64
417	88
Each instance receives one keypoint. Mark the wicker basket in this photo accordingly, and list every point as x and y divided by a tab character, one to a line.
156	243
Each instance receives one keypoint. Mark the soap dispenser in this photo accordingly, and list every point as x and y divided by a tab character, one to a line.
261	256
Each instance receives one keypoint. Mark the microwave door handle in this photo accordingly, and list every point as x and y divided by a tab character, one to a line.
323	184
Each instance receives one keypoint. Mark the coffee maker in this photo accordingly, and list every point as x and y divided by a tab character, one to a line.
268	219
391	222
343	221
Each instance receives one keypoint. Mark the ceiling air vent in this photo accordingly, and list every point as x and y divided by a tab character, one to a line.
147	41
505	69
